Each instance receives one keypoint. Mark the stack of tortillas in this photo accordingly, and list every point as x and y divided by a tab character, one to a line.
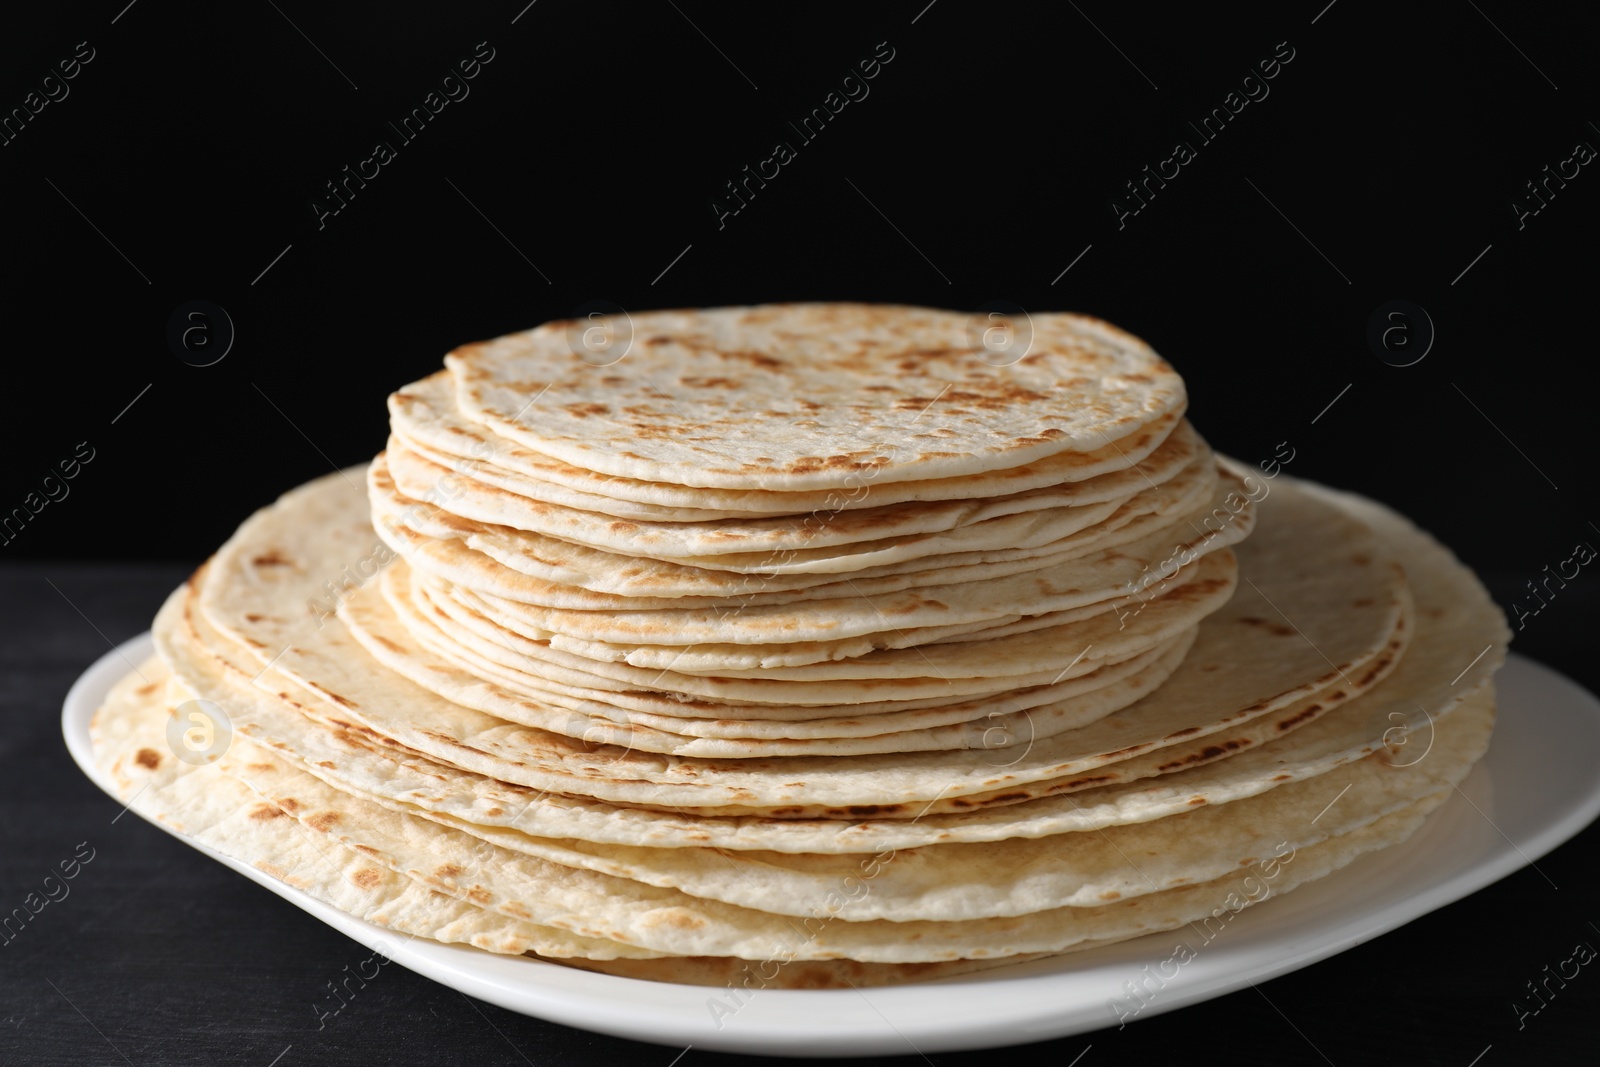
803	645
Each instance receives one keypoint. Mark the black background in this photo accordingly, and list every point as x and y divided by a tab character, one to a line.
580	168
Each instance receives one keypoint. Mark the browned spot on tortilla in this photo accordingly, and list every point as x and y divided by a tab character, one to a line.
1184	732
1375	670
329	764
1206	755
323	821
759	359
853	462
447	870
1079	783
343	700
272	558
583	411
263	812
494	812
479	895
447	739
1196	801
368	849
1299	717
367	877
147	758
1268	625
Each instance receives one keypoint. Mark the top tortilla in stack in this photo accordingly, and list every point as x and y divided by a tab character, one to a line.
673	647
798	397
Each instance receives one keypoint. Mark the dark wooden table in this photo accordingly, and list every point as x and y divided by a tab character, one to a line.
157	955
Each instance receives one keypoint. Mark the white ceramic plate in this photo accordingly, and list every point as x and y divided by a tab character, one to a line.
1534	790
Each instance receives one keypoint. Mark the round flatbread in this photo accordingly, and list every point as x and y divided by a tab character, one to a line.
815	396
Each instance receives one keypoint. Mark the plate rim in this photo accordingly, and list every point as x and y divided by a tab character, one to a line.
785	1023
